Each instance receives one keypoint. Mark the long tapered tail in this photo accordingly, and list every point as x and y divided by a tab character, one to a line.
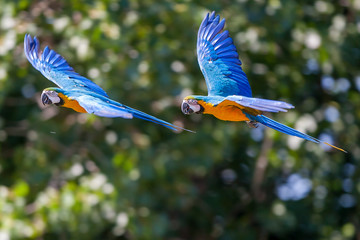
150	118
153	119
288	130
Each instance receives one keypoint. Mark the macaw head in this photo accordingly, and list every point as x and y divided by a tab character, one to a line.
190	105
51	96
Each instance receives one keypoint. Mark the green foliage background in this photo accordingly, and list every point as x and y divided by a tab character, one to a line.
65	175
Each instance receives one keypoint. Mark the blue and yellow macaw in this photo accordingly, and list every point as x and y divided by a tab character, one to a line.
229	93
77	92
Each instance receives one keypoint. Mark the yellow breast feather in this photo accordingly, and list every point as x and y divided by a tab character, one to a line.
226	111
73	104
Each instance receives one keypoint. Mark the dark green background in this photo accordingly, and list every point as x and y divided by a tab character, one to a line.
65	175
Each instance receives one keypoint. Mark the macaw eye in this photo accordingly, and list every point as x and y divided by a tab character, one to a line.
186	109
45	99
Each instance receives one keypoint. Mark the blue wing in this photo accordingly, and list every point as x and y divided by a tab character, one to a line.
105	107
219	61
101	108
264	105
55	68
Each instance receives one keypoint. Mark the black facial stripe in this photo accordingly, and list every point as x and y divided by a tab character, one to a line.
60	103
201	109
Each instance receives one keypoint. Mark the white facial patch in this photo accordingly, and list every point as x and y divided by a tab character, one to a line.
195	107
53	96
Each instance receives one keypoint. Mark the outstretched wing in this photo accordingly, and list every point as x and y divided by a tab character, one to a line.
219	61
55	68
264	105
101	108
108	108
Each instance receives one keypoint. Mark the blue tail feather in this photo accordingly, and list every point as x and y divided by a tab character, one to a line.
147	117
288	130
159	121
284	129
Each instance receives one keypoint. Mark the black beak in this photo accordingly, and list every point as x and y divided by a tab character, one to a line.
45	99
185	108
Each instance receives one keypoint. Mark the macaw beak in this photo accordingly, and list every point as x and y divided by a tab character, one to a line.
45	99
186	109
50	97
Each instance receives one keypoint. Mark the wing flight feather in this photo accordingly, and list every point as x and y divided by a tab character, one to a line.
55	68
219	60
264	105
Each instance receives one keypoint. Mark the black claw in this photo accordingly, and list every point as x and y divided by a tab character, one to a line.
252	124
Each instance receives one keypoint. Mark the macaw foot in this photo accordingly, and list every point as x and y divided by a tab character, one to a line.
252	124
